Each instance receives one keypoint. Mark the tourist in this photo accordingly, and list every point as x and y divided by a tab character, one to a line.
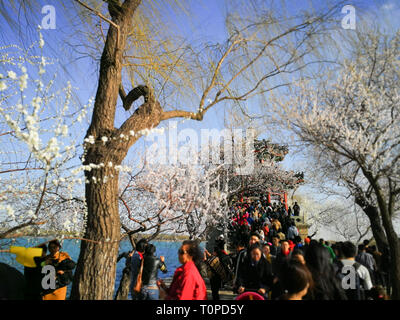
331	252
296	280
283	254
151	265
266	248
241	253
298	242
296	209
187	283
367	260
256	274
220	268
379	277
298	255
307	241
326	285
33	277
254	238
275	245
363	279
265	230
136	262
63	265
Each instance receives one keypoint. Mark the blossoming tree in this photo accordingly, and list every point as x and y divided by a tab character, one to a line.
354	122
36	146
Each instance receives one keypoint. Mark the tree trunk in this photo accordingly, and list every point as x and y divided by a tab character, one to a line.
375	222
95	273
394	246
123	289
392	237
96	269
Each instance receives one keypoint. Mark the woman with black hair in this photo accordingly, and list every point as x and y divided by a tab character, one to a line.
187	283
326	284
296	280
151	265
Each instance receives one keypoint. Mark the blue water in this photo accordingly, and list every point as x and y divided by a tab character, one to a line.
168	249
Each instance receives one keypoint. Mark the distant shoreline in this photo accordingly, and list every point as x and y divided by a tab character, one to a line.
165	237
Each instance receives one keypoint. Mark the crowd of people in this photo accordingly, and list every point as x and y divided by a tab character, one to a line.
311	270
268	219
268	260
272	261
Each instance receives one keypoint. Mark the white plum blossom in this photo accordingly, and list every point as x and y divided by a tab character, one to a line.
3	85
36	123
90	140
12	75
23	82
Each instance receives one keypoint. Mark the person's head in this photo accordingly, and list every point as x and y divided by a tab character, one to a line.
337	249
255	252
318	258
254	238
54	246
240	246
307	240
220	242
141	245
285	246
297	239
298	255
361	248
275	241
321	241
189	251
266	249
296	278
150	250
44	249
349	250
366	242
372	248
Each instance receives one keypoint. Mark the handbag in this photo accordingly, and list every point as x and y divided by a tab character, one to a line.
138	285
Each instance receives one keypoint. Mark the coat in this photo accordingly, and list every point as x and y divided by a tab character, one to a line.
255	276
187	284
150	270
61	293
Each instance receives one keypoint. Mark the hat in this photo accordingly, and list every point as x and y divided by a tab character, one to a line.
307	240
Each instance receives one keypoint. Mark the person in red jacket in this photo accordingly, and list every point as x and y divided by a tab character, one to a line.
187	283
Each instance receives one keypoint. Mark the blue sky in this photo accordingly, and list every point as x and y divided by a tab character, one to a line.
204	23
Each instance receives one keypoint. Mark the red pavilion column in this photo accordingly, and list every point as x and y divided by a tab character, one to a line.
286	204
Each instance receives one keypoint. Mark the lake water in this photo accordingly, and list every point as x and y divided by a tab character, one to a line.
168	249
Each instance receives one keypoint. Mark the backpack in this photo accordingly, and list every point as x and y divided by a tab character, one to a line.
352	294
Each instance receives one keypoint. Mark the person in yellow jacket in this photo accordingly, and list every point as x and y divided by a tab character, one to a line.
55	258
